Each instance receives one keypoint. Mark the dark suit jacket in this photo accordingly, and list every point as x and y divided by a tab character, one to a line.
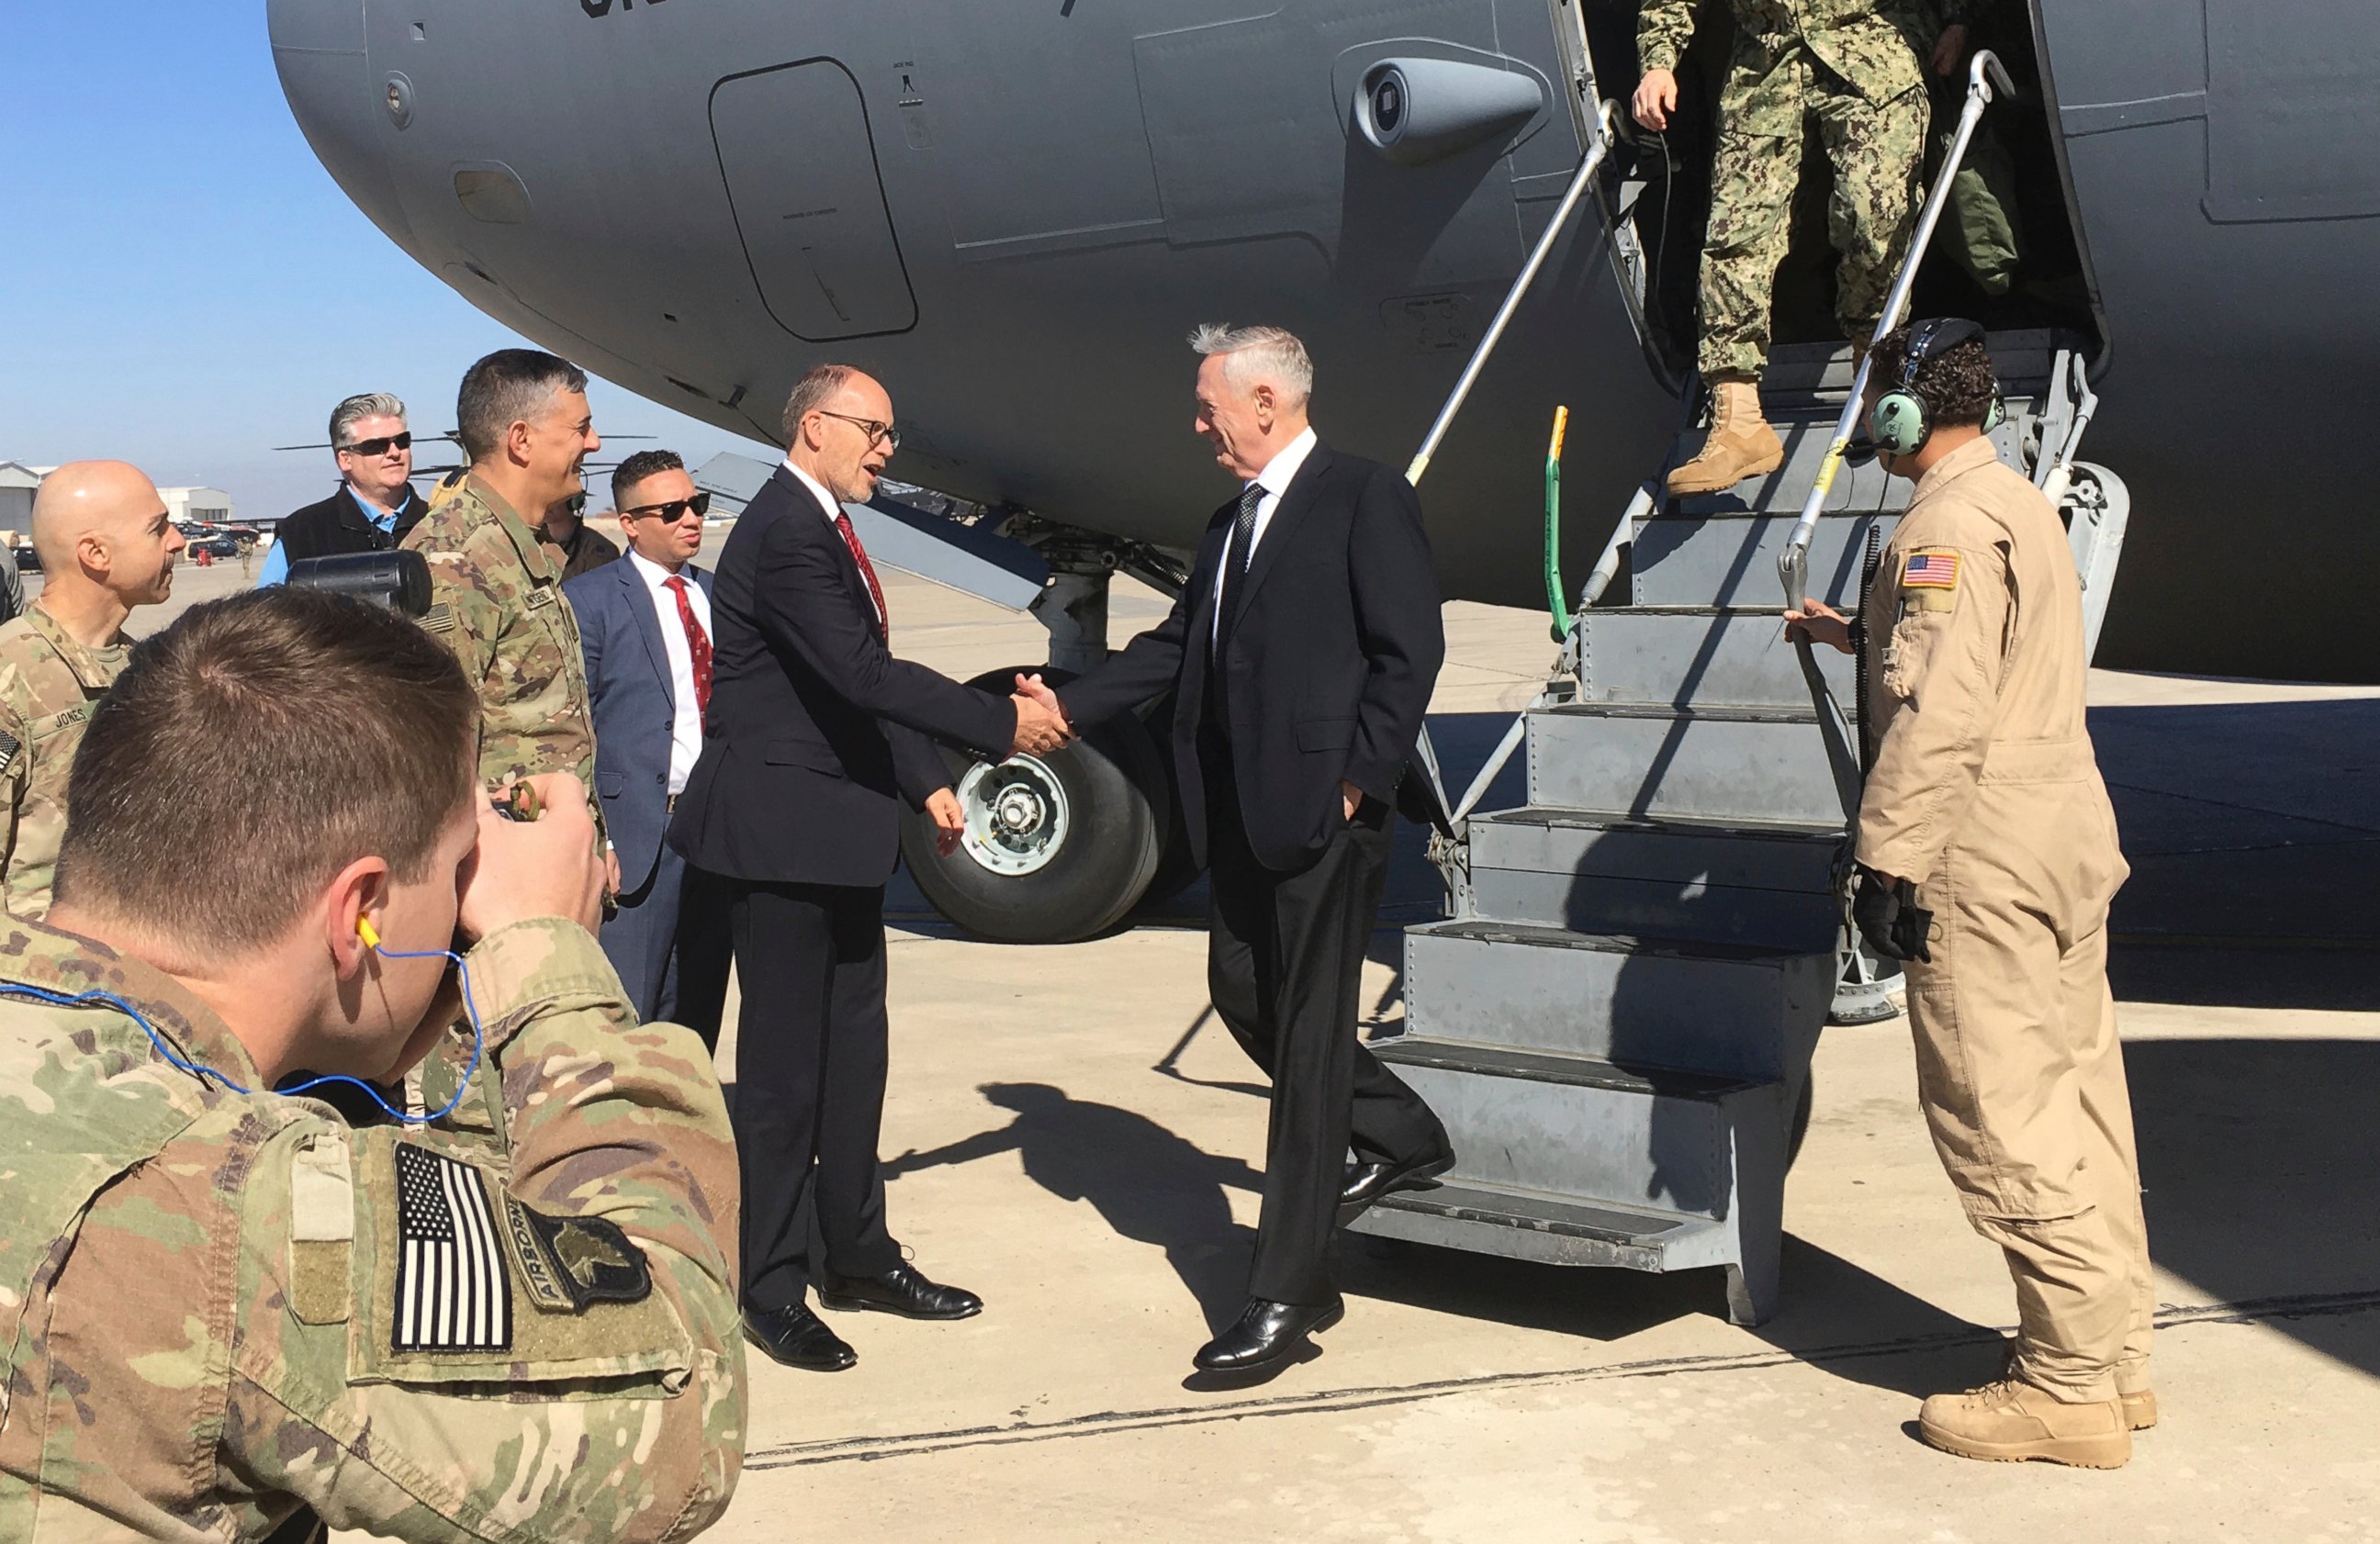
636	709
813	726
1330	660
337	525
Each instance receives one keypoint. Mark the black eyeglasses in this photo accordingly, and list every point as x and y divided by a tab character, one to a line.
675	510
870	427
379	446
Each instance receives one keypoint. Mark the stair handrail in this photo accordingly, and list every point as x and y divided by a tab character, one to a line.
2058	475
1588	165
1793	563
1607	567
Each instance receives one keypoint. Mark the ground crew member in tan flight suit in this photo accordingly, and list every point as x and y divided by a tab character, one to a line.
107	546
1987	855
223	1307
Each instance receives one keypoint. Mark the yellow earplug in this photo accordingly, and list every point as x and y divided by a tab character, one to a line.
364	932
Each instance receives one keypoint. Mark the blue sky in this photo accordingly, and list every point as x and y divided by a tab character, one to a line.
182	284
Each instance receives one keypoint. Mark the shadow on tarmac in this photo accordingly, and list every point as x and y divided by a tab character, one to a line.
2253	840
1147	1183
2256	1161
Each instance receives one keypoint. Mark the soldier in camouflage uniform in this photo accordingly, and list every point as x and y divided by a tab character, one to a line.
1851	68
496	592
222	1308
107	546
496	596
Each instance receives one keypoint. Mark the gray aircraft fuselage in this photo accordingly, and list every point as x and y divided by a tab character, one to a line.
1014	211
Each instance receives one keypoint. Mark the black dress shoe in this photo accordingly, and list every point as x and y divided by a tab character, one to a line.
1267	1334
899	1290
797	1337
1368	1182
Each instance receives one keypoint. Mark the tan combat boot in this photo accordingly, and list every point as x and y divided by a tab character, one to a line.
2008	1421
2140	1403
1740	443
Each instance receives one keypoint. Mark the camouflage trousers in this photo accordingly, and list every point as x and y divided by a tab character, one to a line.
1876	153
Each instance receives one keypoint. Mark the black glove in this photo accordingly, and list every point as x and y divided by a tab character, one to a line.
1888	917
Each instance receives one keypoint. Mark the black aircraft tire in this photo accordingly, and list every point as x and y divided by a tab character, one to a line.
1084	862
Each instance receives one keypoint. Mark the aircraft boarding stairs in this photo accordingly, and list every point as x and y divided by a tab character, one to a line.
1617	1022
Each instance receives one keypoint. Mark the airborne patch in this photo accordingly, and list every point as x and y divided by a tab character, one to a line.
569	1263
453	1291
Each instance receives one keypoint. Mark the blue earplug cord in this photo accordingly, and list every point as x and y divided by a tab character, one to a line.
199	1069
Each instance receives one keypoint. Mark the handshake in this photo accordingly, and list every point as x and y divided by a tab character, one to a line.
1041	725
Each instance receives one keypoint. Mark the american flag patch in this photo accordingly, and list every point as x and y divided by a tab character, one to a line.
1931	571
452	1290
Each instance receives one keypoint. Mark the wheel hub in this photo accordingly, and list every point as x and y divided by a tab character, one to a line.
1017	816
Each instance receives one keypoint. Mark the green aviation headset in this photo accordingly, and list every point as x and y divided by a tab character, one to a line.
1902	421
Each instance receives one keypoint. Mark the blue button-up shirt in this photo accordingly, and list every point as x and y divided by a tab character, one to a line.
276	561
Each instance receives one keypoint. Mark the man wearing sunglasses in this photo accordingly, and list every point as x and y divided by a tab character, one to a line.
645	625
375	505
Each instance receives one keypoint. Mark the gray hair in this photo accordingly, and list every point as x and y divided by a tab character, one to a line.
510	386
1257	353
816	387
355	410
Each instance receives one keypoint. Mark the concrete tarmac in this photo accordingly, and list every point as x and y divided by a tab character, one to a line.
1069	1133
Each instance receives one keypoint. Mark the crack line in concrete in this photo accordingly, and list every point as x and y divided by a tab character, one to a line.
1108	1422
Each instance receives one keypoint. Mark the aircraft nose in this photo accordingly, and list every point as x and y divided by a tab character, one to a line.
347	112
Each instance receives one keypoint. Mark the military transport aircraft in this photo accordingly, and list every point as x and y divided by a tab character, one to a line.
1012	212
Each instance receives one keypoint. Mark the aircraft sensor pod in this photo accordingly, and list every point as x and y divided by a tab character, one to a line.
1413	111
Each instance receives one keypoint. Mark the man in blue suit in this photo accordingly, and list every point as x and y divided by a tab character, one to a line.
645	624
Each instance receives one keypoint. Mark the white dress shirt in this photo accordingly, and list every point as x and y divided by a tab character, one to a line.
686	733
834	508
1274	479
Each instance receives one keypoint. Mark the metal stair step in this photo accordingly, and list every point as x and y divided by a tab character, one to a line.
1796	372
1724	1010
1751	763
1729	558
1577	1128
1552	1229
1742	882
1858	487
1697	656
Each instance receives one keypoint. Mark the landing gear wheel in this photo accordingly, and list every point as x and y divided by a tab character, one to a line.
1058	847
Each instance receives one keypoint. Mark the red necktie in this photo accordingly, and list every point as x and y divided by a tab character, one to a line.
867	575
698	644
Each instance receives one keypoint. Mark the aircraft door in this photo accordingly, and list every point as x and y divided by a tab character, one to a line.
800	162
